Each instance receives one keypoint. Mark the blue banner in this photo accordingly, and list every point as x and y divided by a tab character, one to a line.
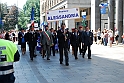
103	8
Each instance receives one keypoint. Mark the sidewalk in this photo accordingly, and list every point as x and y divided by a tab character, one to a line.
106	66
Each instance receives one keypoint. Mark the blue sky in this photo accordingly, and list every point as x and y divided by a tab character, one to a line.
12	2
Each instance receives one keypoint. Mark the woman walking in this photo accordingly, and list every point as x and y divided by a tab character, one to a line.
22	39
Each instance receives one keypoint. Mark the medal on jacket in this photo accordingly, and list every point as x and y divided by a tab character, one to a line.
34	35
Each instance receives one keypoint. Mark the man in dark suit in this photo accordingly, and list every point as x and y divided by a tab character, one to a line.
32	41
80	39
74	41
63	44
69	35
46	42
87	40
54	37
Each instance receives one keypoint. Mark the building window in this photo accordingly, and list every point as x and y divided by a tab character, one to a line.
64	7
56	1
52	2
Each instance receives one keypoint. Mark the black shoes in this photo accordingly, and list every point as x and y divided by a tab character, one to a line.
31	59
83	56
67	64
89	58
61	63
43	56
35	55
48	59
76	58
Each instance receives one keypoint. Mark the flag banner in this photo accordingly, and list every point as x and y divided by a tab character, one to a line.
1	23
103	7
32	16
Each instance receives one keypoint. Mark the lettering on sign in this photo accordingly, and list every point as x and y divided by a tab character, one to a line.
63	16
3	58
3	48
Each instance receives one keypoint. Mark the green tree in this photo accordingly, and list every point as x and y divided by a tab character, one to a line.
9	15
24	15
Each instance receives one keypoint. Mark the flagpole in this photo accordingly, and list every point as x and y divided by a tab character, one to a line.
17	17
0	15
45	13
32	16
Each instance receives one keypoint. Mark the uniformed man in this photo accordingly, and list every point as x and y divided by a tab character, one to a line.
74	40
32	38
8	55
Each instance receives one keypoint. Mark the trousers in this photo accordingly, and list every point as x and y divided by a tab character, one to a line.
10	78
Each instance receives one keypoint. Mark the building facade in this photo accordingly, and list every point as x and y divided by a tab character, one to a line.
83	5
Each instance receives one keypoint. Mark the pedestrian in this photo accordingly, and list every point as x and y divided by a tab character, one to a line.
99	36
7	36
32	38
116	36
80	39
8	55
46	42
69	35
95	36
105	38
123	39
54	37
110	37
87	40
63	44
22	38
13	36
74	40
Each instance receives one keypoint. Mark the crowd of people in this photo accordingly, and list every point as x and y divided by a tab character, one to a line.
50	41
107	37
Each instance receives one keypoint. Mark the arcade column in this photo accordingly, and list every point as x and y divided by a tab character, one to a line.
95	15
119	18
111	13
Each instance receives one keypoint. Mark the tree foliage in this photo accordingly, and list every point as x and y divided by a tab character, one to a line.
9	16
24	15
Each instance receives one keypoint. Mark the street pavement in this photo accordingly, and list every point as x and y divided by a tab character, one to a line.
106	66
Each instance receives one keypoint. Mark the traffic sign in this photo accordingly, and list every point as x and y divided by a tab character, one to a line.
83	13
84	16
